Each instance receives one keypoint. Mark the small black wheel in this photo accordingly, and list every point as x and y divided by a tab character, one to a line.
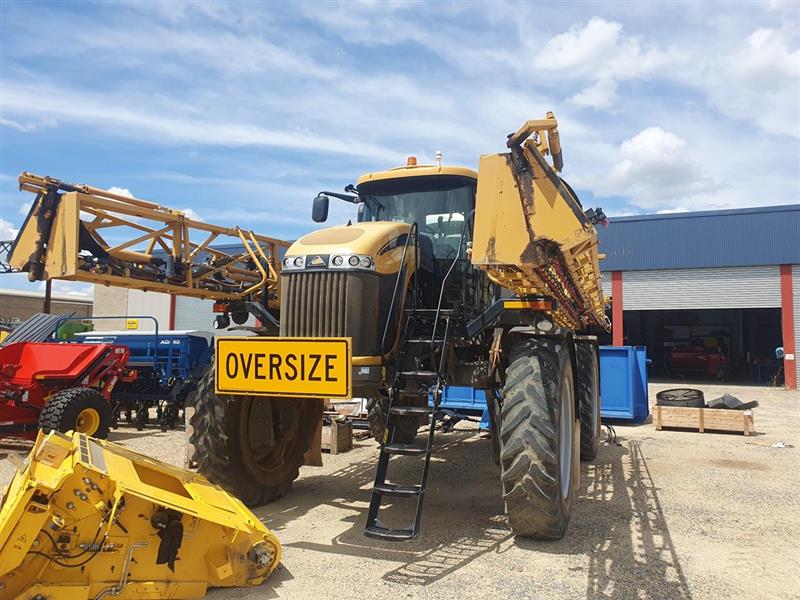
681	397
84	410
222	322
240	317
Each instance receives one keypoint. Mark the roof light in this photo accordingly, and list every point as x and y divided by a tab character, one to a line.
412	161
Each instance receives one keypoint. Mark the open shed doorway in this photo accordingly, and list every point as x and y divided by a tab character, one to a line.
735	345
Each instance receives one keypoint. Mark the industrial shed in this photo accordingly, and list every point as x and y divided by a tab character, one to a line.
717	282
703	283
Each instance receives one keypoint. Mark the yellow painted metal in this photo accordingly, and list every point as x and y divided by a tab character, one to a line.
376	239
85	518
284	367
88	421
154	249
416	171
531	235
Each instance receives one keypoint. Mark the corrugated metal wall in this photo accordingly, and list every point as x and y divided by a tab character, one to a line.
727	238
194	313
675	289
606	284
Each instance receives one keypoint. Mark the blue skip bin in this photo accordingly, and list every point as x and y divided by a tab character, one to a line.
623	383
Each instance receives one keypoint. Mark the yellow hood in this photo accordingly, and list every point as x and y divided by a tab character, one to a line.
376	239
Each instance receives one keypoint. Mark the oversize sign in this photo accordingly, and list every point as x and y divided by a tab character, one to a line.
294	367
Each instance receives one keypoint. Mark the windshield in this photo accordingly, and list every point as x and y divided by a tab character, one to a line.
439	213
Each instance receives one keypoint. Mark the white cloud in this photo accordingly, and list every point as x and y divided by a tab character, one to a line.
601	94
120	191
158	122
28	126
192	214
599	50
759	82
70	288
7	231
668	211
654	169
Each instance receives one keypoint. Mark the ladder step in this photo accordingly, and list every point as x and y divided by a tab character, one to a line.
407	449
425	341
410	410
398	490
391	535
419	374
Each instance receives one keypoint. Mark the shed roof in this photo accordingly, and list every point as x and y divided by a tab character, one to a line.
768	235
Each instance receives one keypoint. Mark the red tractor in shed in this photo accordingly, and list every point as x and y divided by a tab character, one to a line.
58	386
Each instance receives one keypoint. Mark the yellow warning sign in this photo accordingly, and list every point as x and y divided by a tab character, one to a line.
287	367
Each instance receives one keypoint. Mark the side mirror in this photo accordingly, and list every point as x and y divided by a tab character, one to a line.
319	211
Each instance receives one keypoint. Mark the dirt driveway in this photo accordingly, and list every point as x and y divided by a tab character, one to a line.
662	515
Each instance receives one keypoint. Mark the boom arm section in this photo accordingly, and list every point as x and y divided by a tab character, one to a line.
531	233
83	233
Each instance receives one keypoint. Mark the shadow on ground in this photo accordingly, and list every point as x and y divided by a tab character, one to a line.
618	523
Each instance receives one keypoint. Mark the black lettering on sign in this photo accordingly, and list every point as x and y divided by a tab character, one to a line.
247	363
329	367
259	374
290	364
315	358
275	366
231	366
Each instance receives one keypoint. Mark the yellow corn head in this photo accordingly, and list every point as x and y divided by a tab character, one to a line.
84	518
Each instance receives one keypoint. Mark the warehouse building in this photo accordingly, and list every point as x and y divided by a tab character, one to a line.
19	305
711	294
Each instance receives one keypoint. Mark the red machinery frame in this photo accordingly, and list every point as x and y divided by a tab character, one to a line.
32	372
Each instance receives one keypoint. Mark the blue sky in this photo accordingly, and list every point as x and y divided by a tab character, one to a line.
242	112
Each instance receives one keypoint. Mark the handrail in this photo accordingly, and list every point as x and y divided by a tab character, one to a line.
414	230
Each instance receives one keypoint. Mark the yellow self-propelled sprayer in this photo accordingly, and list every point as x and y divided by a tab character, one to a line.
449	277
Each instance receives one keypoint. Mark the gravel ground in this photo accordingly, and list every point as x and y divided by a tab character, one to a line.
663	514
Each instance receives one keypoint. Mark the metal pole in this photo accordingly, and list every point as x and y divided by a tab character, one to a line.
48	291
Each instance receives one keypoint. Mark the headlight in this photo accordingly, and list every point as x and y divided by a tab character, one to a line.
353	260
366	262
287	262
298	261
338	261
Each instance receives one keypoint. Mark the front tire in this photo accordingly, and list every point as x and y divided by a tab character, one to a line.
589	398
84	410
538	429
252	446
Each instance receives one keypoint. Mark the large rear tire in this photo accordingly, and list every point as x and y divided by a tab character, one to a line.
252	446
77	409
589	398
538	446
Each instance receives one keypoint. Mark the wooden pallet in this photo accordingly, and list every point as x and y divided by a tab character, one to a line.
715	419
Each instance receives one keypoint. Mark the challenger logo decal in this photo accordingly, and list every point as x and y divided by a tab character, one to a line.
317	261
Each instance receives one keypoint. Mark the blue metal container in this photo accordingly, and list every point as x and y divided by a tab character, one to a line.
465	402
623	383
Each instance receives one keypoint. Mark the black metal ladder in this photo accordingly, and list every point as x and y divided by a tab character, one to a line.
428	382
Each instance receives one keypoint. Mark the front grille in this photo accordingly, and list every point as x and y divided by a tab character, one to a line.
314	305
